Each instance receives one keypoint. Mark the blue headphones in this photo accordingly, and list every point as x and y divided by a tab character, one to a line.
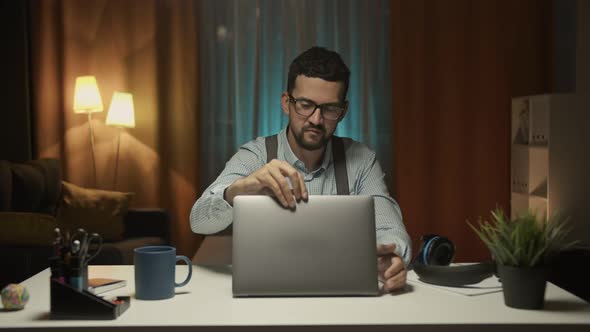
436	253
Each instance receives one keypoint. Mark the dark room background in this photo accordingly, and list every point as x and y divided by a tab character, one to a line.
437	105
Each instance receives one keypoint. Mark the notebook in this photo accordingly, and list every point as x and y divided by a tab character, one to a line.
102	285
327	246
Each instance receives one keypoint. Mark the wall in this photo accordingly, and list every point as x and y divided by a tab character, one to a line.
564	45
15	119
583	47
456	66
569	179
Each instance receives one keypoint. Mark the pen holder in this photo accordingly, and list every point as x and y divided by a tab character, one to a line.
68	302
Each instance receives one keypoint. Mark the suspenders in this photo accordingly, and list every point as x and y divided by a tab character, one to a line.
338	155
340	172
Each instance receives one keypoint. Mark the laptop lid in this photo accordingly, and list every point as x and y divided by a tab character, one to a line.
327	246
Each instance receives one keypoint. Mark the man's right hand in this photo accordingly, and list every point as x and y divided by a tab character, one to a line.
271	179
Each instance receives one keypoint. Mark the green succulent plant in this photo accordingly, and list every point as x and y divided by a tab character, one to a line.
525	241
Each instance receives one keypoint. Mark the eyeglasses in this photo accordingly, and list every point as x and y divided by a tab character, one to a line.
330	111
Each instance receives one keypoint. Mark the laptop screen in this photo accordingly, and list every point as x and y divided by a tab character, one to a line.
326	246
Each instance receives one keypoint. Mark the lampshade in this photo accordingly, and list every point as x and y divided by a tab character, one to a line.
121	112
86	95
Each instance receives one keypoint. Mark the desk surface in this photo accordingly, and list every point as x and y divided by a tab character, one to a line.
207	302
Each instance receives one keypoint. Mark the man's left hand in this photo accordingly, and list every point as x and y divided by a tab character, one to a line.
391	267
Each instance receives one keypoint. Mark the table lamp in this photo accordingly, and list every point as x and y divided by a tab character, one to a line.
87	100
121	115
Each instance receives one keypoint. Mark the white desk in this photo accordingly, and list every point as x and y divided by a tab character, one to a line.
206	303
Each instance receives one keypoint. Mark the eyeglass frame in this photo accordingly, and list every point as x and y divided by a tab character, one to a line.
343	106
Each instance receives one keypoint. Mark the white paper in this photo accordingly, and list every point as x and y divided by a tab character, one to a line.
486	286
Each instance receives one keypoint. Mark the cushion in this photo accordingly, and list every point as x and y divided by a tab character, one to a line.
97	211
24	228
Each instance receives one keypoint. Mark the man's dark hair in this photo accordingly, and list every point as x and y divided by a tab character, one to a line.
320	63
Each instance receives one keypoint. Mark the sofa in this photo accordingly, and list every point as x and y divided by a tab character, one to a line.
34	200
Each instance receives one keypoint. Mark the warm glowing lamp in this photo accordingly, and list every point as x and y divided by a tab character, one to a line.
87	100
122	115
87	96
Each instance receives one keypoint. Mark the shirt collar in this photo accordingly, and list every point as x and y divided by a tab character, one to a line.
292	159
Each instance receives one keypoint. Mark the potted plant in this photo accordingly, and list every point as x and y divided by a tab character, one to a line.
522	249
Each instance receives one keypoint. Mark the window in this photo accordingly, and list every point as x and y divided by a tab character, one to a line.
246	48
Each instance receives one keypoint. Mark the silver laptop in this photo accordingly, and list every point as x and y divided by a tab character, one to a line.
327	246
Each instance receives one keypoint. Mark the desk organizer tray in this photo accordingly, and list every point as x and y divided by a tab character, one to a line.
68	302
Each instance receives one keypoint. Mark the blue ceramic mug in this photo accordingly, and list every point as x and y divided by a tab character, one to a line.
155	271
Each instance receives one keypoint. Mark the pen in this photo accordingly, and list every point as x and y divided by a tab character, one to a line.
65	243
82	237
56	265
57	243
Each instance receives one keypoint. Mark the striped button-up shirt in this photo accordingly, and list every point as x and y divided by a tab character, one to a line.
211	213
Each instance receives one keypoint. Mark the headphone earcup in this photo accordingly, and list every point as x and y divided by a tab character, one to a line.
436	250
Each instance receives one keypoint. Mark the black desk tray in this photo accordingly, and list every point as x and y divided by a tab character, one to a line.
70	303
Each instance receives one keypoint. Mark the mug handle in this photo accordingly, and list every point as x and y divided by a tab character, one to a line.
190	270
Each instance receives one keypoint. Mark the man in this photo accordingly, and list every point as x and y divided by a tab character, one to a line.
315	101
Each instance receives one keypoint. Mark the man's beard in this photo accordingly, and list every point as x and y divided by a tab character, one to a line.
299	137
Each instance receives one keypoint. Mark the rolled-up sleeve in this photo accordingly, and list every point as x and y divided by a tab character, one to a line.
211	213
388	216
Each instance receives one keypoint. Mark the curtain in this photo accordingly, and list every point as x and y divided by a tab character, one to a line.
246	48
457	65
147	48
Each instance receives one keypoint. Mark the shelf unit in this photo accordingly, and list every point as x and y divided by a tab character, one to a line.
530	154
550	158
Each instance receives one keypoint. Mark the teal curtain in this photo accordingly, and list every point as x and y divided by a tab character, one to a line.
246	47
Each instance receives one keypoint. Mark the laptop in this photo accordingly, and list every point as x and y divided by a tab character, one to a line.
326	247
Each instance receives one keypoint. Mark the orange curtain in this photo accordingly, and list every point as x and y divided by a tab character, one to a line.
147	48
456	64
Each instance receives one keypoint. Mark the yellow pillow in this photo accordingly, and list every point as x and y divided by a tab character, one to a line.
97	211
26	228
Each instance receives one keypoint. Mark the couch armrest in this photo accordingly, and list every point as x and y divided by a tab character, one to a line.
147	223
